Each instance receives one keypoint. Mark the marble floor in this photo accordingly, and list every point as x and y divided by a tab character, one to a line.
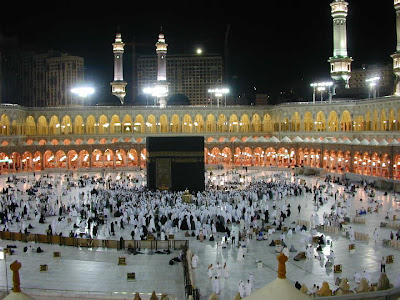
96	270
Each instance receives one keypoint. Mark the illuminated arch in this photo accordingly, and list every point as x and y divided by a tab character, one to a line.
296	122
91	125
72	159
345	121
268	125
375	121
333	121
127	124
115	124
383	121
198	123
187	124
84	159
164	124
308	121
79	125
66	125
132	158
175	124
368	124
42	127
120	158
244	123
104	125
4	125
233	123
222	125
320	123
256	125
30	126
210	123
54	125
139	125
151	124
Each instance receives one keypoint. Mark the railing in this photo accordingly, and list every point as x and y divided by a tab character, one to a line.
83	242
188	276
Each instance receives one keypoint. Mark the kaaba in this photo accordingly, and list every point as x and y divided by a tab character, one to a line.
175	163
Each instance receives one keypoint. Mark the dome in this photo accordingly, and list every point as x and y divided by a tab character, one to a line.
18	296
280	288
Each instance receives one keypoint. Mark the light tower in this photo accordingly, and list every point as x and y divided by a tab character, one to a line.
340	62
162	85
118	85
396	55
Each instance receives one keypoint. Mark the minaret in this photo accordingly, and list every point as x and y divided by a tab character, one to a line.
118	85
162	85
340	62
396	55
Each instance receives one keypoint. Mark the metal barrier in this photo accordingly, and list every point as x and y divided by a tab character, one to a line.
82	242
187	279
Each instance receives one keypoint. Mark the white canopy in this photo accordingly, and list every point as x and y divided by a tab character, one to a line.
346	141
383	143
273	139
297	139
395	142
374	142
339	141
364	142
356	141
262	139
286	140
249	140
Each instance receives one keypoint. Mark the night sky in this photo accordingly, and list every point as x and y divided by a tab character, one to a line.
272	46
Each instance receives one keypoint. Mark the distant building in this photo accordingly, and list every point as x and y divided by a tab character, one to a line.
190	75
360	87
40	79
261	99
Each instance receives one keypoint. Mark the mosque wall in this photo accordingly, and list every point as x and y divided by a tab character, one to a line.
304	134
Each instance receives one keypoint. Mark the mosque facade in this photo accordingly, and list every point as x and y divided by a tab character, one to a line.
342	136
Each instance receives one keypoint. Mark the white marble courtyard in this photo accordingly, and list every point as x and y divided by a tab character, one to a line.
95	270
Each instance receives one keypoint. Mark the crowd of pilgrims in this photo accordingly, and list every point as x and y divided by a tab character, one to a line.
107	205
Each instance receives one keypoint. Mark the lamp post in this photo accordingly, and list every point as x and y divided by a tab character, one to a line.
219	93
321	88
83	92
373	83
159	91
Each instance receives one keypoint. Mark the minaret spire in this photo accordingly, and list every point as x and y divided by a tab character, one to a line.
118	85
162	85
340	62
396	55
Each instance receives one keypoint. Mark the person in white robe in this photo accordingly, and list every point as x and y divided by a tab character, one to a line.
351	234
226	271
241	288
218	270
195	259
216	285
240	255
247	288
210	271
